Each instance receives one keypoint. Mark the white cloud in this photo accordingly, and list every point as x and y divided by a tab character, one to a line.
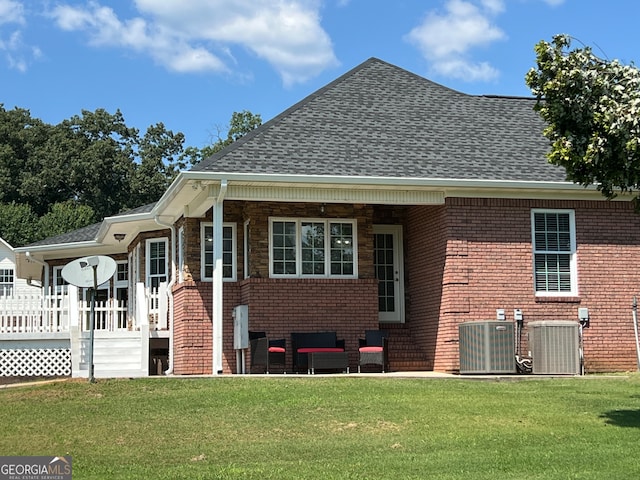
464	70
11	12
445	39
198	35
17	54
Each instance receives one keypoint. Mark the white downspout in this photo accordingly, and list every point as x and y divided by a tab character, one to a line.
217	307
174	271
45	284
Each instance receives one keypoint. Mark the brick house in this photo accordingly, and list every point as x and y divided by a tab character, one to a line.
383	200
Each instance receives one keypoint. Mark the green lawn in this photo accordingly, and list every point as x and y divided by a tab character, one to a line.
331	427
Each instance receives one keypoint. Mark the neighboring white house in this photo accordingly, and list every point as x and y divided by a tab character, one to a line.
10	284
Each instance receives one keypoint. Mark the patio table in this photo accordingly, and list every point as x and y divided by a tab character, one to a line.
328	360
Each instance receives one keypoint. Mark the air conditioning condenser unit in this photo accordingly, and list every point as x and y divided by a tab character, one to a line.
487	347
555	347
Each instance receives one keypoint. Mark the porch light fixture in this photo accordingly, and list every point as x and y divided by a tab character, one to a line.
119	236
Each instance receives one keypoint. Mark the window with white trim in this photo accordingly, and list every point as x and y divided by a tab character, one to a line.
157	262
121	286
554	252
312	248
122	272
6	282
60	285
229	260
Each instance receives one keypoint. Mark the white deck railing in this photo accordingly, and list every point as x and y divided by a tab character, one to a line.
40	312
34	313
110	315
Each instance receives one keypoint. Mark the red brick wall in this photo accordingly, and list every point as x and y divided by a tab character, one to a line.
425	255
282	306
487	264
464	260
277	306
192	329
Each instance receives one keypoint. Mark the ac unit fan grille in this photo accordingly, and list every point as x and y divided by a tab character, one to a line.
555	347
486	347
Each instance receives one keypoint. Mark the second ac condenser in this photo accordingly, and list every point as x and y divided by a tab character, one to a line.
554	347
487	347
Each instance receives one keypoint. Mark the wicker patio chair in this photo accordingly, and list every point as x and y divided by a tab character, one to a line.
373	349
266	353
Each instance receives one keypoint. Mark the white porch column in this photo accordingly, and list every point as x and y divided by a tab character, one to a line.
217	307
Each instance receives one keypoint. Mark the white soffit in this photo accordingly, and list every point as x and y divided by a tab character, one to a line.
335	195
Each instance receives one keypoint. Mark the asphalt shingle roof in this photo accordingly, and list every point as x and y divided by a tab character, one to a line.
379	120
85	234
88	233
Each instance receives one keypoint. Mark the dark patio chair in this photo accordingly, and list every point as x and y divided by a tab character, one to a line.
373	349
265	352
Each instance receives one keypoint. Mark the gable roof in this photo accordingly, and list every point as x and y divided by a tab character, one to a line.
379	120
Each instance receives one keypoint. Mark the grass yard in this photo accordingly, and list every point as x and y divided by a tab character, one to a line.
330	427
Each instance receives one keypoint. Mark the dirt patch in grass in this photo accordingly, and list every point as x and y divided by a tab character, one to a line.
12	380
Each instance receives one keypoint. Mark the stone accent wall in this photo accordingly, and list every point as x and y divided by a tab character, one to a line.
259	213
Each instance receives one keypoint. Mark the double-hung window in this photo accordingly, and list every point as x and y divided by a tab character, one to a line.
229	255
554	252
6	282
157	262
312	248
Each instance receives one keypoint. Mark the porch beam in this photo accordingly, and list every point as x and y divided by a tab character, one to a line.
200	204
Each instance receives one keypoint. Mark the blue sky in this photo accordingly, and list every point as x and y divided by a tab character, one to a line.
191	63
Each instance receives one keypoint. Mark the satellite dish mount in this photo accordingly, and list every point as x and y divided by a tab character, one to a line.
89	272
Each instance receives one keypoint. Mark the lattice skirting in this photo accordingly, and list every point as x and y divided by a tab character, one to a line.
45	362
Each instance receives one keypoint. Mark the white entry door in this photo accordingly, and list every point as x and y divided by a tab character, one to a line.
387	248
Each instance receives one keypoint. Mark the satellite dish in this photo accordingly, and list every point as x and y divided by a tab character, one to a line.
80	271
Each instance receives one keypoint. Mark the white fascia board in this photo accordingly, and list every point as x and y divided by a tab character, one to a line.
58	246
391	182
3	242
120	219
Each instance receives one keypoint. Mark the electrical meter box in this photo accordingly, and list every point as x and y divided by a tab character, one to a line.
241	327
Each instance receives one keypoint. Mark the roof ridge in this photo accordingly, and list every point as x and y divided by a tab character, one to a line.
285	113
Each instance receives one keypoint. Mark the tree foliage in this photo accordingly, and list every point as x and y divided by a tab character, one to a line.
18	224
57	178
241	124
64	217
592	110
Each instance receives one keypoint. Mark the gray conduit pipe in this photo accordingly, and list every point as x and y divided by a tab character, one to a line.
174	270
